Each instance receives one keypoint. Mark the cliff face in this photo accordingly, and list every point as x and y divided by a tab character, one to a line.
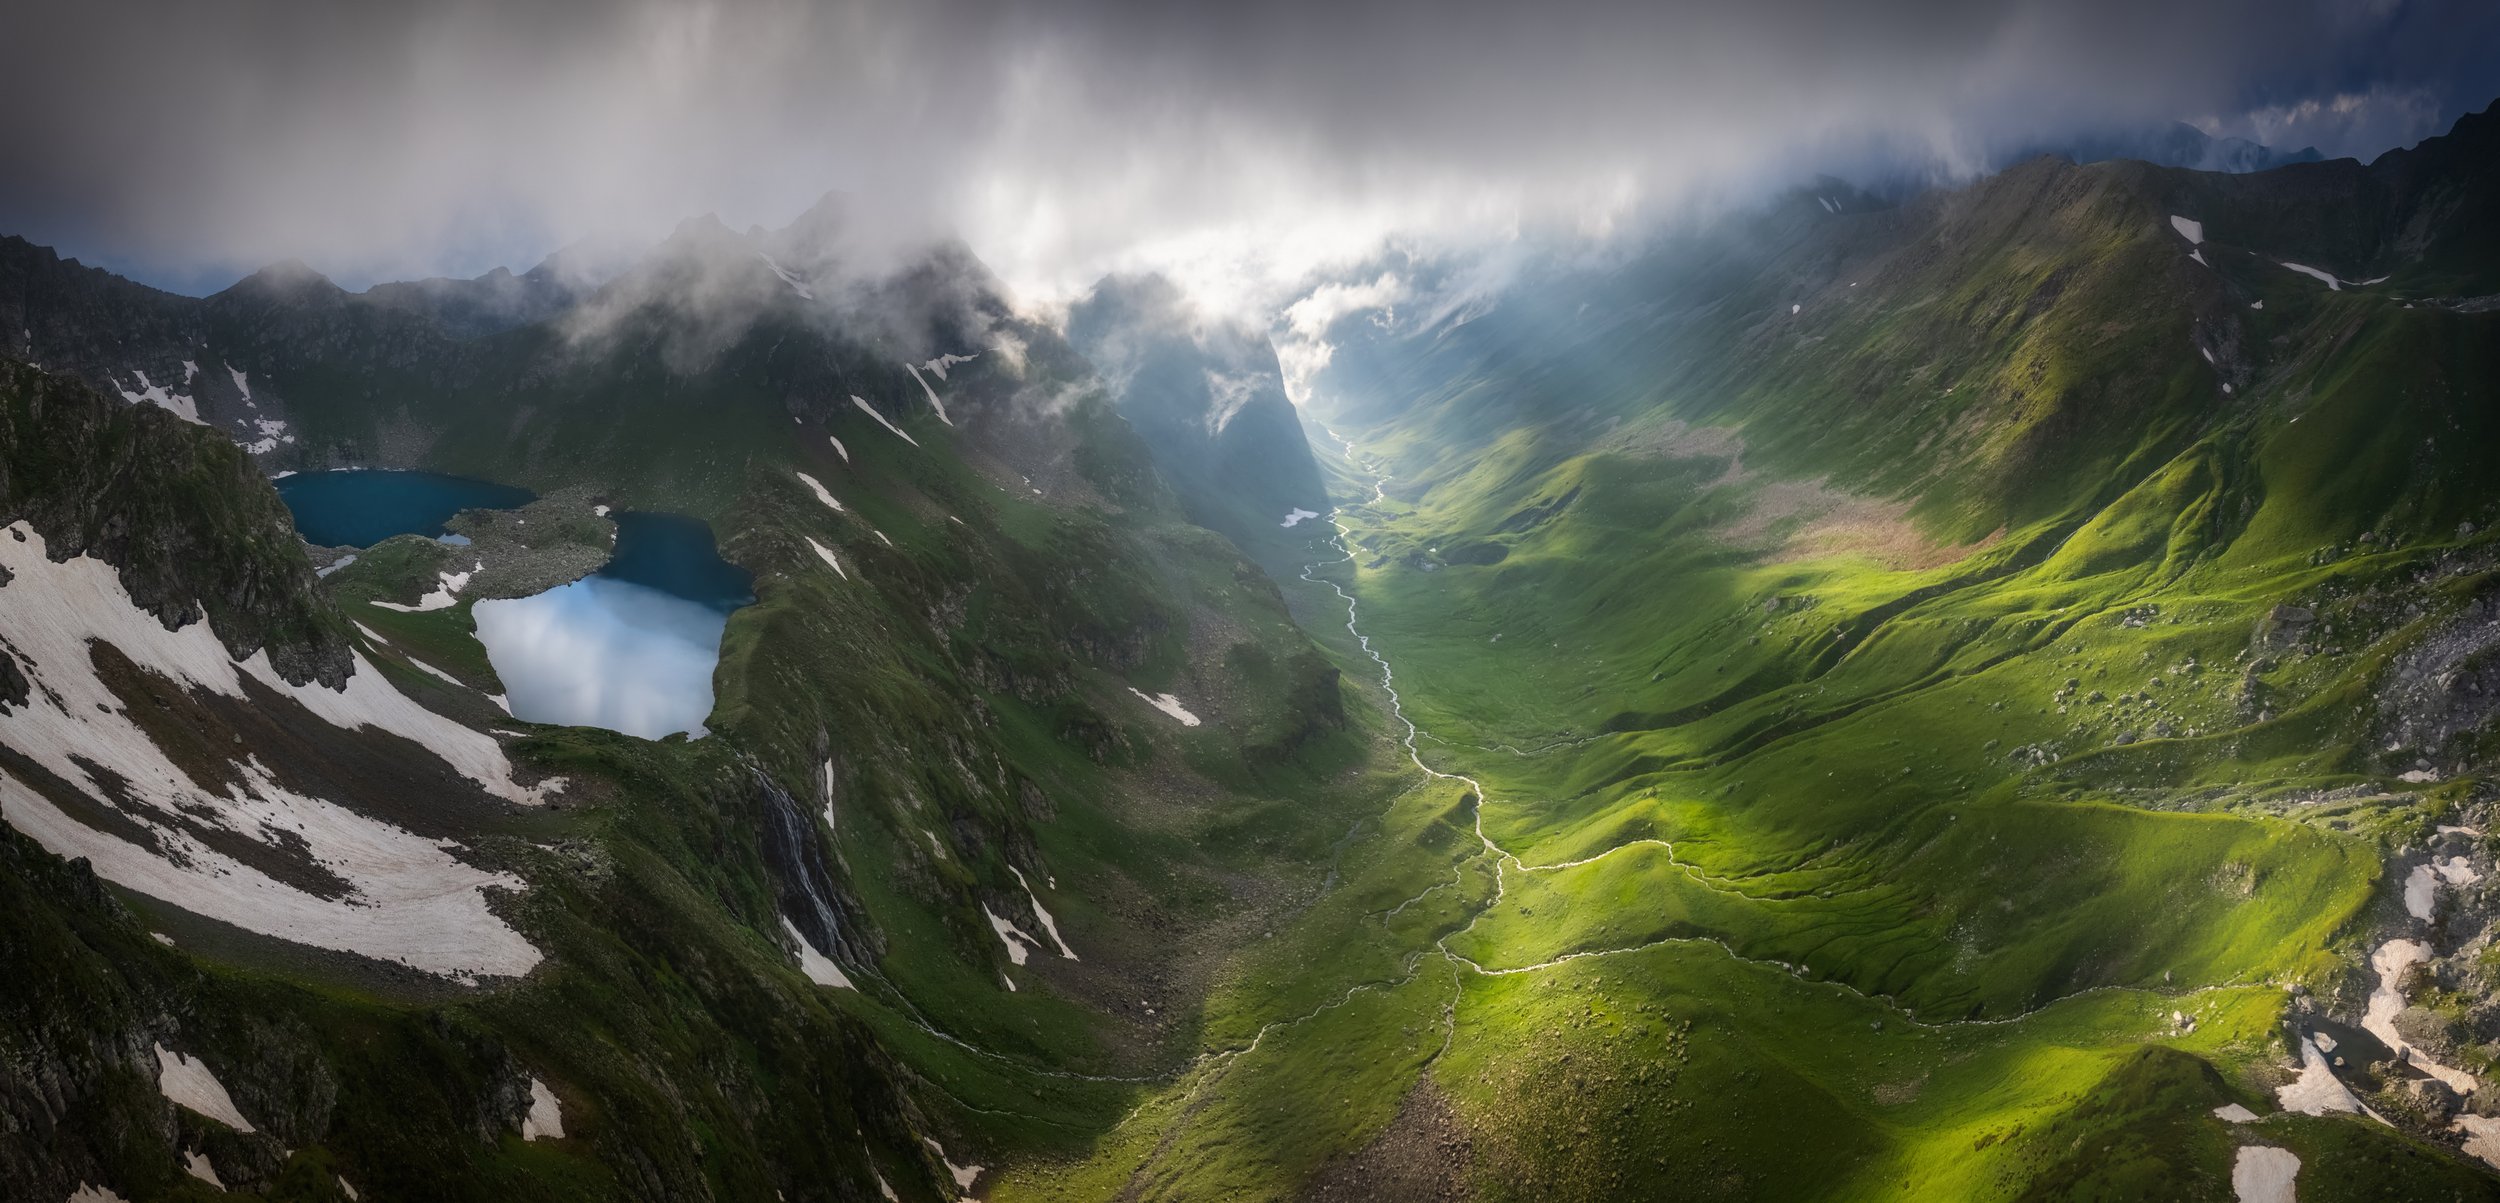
180	511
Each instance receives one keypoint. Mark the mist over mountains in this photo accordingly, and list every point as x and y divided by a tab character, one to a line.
1095	601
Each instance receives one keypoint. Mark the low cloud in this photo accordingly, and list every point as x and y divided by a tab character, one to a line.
1235	148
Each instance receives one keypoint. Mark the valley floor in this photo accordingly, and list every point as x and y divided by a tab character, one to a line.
1501	999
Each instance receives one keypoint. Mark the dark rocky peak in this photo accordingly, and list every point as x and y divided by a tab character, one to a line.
487	304
289	280
585	264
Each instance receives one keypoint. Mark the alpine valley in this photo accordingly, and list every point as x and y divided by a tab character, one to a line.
1980	692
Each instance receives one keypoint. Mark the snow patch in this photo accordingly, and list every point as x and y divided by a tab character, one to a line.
158	395
1295	517
2379	1018
196	1165
2235	1113
818	967
2263	1174
1048	924
964	1175
826	554
796	285
871	411
1008	935
423	667
839	449
94	1194
2328	278
446	593
188	1083
273	431
934	403
242	381
1794	310
821	493
2188	228
939	365
1168	704
2421	887
2482	1137
2317	1091
2199	256
546	1118
335	565
2257	304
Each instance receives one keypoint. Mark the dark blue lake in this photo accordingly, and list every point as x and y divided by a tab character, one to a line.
360	509
676	555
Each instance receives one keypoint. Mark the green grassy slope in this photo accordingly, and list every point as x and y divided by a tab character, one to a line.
1882	725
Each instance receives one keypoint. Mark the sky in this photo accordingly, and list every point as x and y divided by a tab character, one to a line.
1238	147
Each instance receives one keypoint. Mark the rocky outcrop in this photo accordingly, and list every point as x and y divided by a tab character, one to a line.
178	510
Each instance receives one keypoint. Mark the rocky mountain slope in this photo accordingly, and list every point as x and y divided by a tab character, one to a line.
1979	697
1005	757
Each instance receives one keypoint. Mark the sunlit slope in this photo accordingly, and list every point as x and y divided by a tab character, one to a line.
1899	781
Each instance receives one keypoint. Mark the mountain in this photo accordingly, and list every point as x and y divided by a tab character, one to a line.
1209	400
1983	695
2176	144
1978	680
1004	759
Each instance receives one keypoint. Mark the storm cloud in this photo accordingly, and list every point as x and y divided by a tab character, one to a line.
1231	145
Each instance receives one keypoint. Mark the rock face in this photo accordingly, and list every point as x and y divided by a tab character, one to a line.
180	511
2445	687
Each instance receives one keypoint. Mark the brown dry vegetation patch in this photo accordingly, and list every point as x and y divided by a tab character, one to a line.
1795	519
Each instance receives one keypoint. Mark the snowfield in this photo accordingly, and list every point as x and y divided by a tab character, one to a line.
401	897
2188	228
